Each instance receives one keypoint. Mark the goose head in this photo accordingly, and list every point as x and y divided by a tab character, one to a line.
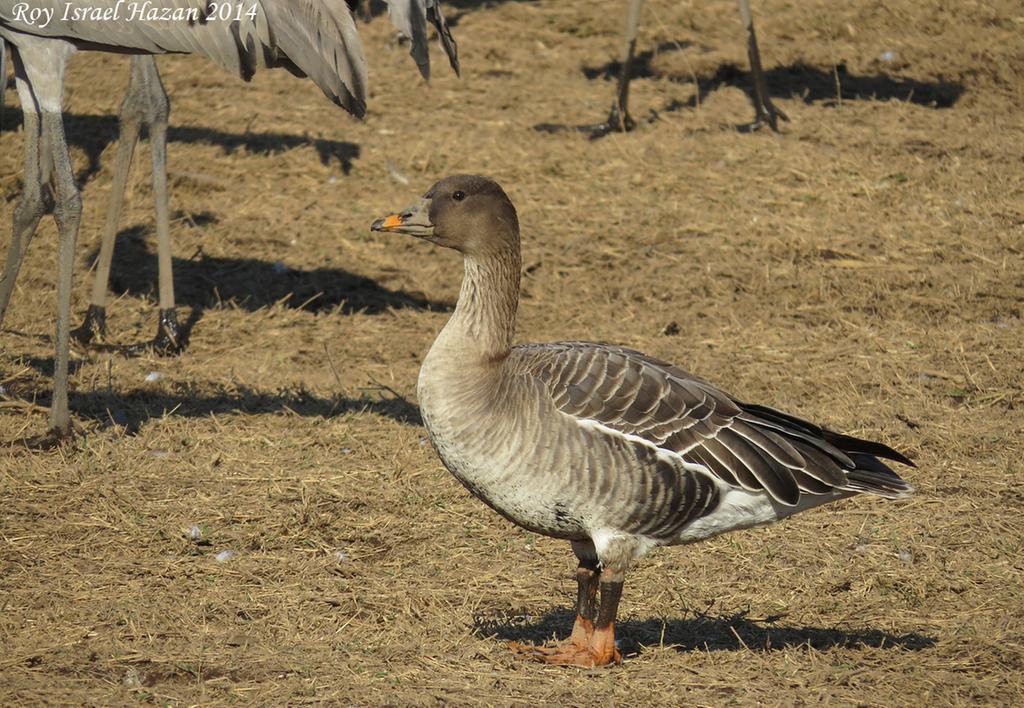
468	213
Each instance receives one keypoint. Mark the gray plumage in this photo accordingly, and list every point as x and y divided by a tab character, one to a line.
571	439
599	444
410	17
311	38
3	78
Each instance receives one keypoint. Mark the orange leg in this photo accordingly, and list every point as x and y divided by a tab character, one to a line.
592	643
602	647
582	631
588	575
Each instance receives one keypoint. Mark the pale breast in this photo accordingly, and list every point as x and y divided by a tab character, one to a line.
551	473
501	452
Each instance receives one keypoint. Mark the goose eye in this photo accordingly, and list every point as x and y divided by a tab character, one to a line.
459	196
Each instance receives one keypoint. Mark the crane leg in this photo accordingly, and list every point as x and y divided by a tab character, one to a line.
39	71
168	334
145	102
619	119
765	112
35	199
94	326
67	212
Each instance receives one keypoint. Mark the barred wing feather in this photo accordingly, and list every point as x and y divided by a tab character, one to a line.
746	446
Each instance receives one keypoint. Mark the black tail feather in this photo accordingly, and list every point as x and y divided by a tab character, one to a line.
847	443
859	459
850	444
785	419
872	475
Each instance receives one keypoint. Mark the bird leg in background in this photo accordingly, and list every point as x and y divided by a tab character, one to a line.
3	79
619	119
168	334
764	110
94	326
35	197
145	102
67	212
39	72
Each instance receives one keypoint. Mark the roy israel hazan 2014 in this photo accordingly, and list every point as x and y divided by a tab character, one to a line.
124	11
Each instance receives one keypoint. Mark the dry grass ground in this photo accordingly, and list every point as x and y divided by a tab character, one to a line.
865	268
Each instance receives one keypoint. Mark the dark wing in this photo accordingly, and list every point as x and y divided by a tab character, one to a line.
747	446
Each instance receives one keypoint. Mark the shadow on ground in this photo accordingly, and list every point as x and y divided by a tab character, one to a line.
93	133
701	633
811	84
132	409
203	281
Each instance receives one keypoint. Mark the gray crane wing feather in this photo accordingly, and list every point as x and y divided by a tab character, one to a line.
3	79
746	446
320	39
451	48
314	38
410	17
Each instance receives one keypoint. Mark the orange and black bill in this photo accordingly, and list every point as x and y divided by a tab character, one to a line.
414	221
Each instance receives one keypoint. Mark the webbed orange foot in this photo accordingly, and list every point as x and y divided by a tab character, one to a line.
567	653
530	651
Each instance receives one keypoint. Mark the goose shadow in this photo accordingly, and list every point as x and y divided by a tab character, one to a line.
701	633
827	86
93	133
202	281
130	409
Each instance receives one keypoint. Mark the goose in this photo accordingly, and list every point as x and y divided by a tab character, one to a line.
313	38
606	447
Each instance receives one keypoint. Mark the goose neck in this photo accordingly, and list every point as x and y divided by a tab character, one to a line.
484	321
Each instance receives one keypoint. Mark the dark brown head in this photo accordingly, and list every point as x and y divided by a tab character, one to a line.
471	214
